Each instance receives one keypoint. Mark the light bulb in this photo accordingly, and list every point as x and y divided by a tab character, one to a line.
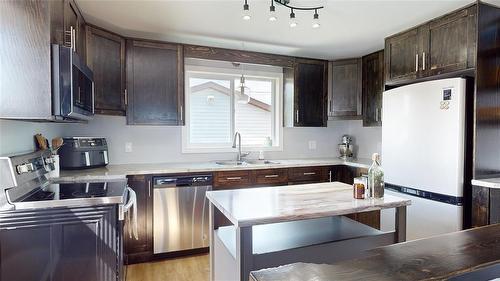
316	25
246	17
272	17
293	24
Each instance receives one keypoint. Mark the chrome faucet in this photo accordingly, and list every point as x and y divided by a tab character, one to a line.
240	155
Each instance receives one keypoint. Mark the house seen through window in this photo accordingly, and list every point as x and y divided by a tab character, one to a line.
219	103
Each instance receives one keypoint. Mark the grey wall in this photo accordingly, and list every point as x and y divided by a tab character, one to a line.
154	144
17	136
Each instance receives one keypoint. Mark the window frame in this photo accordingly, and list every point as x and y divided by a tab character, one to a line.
223	71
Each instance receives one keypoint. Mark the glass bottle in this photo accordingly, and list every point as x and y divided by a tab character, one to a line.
376	178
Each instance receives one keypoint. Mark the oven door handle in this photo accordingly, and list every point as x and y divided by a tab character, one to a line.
131	209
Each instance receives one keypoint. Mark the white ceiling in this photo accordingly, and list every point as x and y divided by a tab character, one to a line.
349	28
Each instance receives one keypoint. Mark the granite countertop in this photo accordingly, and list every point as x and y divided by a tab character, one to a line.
489	183
464	253
112	172
254	206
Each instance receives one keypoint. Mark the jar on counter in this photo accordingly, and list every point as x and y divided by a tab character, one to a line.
376	178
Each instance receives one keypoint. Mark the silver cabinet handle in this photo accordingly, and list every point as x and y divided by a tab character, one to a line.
330	176
416	62
376	114
423	61
309	173
126	97
271	176
182	112
297	116
149	188
233	178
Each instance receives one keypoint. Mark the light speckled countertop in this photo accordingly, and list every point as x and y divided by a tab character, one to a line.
295	202
112	172
489	183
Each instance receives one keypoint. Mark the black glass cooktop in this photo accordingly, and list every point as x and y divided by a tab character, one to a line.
62	191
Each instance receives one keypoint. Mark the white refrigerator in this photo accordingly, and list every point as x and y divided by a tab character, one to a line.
423	127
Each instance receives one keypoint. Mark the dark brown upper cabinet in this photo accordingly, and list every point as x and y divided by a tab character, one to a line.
310	93
106	58
449	43
345	98
444	45
401	56
373	87
155	83
73	20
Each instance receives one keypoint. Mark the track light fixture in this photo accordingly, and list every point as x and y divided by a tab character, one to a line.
285	3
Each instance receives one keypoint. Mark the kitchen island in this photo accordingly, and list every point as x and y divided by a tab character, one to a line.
472	254
273	226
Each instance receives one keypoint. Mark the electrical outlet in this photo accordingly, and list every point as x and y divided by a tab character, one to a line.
312	144
128	147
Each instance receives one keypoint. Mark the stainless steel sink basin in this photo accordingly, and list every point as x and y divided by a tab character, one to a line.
247	162
262	162
231	163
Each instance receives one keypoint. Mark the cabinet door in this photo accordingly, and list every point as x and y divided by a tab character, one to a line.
401	57
61	244
154	83
106	58
310	93
373	87
139	250
72	18
449	43
345	98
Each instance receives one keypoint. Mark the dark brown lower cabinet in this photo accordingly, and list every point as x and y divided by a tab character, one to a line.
485	206
59	244
140	250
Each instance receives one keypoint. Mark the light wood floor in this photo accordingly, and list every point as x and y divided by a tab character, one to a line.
193	268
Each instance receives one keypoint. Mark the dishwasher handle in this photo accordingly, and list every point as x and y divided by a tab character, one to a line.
130	208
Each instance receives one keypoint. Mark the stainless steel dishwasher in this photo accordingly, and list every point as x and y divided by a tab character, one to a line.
180	213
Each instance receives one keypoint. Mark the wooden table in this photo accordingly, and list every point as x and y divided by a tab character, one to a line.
460	255
279	225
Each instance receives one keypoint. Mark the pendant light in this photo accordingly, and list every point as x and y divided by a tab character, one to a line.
316	20
293	22
246	11
243	97
272	12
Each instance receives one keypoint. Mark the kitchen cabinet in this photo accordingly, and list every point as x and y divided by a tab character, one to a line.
485	206
141	249
449	43
106	59
302	175
73	20
155	83
345	97
232	179
443	45
372	88
401	56
310	93
60	244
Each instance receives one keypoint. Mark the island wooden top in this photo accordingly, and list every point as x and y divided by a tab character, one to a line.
436	258
263	205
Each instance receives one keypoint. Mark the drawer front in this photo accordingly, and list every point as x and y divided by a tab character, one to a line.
271	176
232	179
307	174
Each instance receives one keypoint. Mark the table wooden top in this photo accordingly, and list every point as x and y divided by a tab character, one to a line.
263	205
436	258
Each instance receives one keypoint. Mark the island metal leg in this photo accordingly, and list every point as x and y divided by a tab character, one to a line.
400	233
211	233
244	252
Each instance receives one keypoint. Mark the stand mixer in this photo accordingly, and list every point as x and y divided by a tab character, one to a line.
346	147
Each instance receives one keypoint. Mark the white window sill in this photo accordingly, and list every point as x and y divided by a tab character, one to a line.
189	150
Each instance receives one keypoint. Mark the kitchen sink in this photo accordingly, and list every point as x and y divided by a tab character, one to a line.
231	163
246	162
261	162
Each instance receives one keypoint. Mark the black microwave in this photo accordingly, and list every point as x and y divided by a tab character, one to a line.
72	85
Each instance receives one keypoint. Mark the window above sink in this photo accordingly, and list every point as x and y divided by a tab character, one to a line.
217	106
